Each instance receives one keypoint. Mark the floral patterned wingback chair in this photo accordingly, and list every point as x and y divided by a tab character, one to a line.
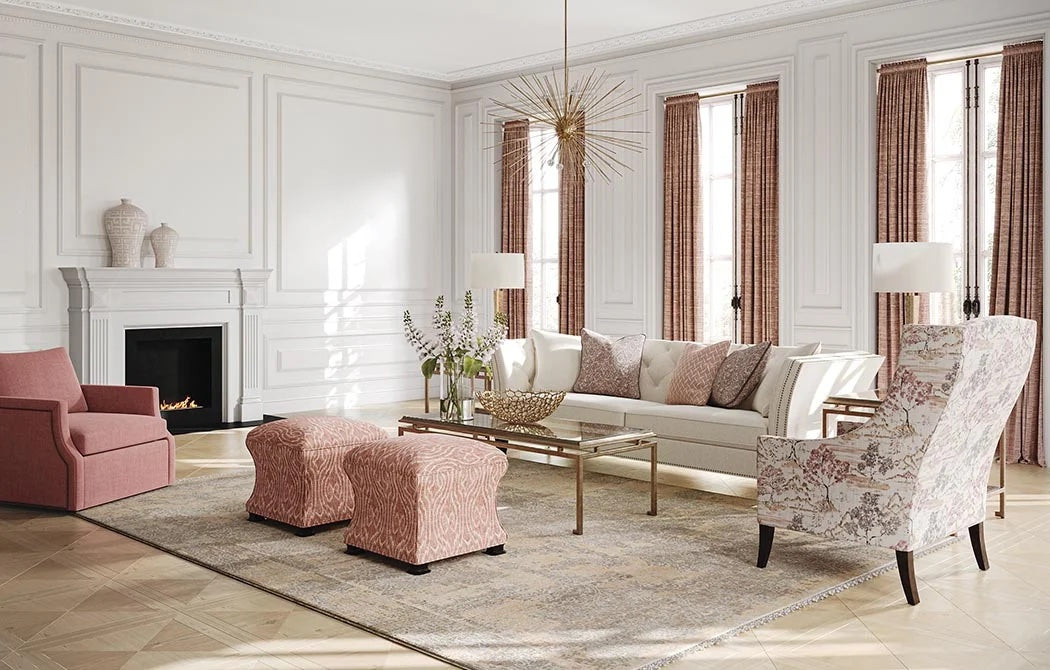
917	471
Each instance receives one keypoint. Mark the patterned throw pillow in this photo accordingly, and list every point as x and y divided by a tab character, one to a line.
739	375
610	366
695	372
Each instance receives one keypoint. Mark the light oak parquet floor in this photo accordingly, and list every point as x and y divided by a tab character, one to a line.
76	596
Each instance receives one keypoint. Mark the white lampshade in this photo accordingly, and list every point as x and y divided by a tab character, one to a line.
493	271
912	267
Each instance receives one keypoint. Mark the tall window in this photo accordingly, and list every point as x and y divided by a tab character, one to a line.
962	134
543	231
718	177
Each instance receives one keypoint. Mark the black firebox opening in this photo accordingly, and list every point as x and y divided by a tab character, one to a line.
185	364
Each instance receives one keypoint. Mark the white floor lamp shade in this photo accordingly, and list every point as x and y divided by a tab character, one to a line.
910	268
497	272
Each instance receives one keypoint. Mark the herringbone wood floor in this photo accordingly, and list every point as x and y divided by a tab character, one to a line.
73	595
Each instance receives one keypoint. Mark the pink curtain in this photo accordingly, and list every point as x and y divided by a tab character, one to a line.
515	199
571	191
683	243
1017	254
900	187
759	215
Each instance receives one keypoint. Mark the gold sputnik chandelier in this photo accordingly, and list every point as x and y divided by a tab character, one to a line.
578	116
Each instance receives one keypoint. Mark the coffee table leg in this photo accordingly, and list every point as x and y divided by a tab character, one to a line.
579	497
652	480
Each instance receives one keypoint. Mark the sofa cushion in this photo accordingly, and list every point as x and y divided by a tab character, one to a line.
608	365
96	432
715	425
557	360
739	375
695	374
776	365
599	408
514	364
47	375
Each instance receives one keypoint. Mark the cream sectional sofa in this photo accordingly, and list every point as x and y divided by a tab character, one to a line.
708	438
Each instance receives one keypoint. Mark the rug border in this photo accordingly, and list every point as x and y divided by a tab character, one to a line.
654	665
283	596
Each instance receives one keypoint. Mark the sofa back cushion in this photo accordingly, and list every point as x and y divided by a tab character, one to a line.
739	375
557	360
695	374
514	365
609	366
659	359
47	374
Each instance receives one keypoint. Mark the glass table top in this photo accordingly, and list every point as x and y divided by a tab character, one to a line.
553	432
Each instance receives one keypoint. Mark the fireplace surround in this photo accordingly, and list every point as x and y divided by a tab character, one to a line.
105	304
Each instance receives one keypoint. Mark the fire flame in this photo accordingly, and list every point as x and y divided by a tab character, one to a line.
186	403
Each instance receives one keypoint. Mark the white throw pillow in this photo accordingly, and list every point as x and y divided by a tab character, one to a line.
776	363
557	360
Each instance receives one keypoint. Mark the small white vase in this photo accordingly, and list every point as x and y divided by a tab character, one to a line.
125	227
164	240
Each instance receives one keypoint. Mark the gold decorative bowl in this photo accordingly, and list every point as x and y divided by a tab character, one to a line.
520	407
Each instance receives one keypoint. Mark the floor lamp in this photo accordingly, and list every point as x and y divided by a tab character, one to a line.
497	272
911	268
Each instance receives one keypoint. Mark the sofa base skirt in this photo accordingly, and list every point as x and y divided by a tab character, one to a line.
699	456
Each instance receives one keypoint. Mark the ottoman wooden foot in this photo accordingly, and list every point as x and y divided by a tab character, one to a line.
254	518
496	551
421	569
304	532
354	551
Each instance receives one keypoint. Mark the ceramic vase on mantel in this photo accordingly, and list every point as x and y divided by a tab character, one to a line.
164	240
125	227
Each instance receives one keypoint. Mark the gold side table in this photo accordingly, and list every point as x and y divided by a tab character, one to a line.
864	404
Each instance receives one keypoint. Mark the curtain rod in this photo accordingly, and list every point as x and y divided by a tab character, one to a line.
962	58
723	93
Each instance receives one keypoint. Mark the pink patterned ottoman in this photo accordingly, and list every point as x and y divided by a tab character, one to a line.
299	477
422	498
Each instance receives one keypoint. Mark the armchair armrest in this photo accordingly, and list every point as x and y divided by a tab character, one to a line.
38	463
806	383
143	400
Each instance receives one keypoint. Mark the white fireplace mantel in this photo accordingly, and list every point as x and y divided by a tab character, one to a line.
105	302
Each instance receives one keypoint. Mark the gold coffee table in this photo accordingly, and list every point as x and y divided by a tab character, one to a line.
577	441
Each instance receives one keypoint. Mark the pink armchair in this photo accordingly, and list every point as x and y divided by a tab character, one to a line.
72	446
917	471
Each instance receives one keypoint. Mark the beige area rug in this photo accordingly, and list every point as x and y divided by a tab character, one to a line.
633	591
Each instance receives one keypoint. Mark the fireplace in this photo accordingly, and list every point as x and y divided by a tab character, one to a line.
186	365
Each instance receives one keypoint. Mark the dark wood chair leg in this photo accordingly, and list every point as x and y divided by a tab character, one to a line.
254	518
353	551
496	551
421	569
765	544
977	541
906	568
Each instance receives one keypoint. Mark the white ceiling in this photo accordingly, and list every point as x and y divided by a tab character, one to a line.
451	40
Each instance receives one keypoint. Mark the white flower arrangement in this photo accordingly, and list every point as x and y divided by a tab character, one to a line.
455	342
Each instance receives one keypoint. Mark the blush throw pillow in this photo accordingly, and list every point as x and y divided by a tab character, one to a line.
557	360
48	375
610	366
694	375
739	375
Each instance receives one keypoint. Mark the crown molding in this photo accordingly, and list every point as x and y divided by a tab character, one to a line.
223	38
733	22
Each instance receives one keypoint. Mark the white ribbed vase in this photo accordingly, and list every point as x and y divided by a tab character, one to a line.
164	240
125	227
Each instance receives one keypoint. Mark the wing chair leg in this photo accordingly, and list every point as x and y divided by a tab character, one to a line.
906	567
977	540
765	544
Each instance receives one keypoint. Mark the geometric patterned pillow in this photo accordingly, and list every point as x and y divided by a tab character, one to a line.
694	375
739	375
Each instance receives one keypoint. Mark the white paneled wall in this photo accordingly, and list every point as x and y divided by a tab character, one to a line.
825	68
336	179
